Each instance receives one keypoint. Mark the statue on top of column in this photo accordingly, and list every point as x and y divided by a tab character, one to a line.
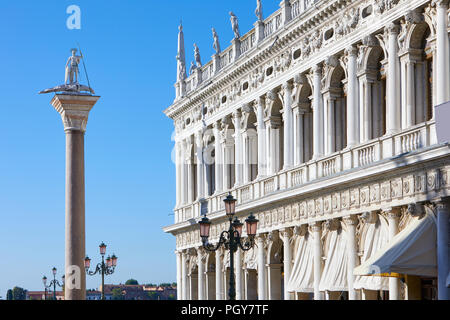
216	44
71	84
198	60
259	11
235	25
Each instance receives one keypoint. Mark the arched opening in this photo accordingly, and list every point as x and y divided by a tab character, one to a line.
303	123
373	114
250	144
275	134
209	159
250	275
275	269
419	76
336	112
211	276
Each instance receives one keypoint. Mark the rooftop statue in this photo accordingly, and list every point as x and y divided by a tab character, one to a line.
198	60
71	84
259	11
216	44
235	25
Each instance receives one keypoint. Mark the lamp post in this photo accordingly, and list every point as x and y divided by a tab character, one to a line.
231	239
53	283
102	268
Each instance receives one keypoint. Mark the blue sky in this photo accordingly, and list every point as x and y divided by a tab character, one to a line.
130	49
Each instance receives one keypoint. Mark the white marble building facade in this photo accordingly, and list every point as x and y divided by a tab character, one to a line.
320	121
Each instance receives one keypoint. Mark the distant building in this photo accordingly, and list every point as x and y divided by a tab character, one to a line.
140	292
40	295
96	295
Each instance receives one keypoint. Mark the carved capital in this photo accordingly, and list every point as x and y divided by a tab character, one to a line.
440	3
74	110
442	204
315	226
393	28
370	217
351	51
317	69
416	209
392	213
300	230
286	233
351	220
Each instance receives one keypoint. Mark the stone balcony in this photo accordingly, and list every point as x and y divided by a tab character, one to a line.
283	183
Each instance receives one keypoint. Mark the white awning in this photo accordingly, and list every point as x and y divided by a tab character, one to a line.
412	251
375	236
334	274
302	277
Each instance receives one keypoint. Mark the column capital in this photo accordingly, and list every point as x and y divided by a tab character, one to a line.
393	28
317	69
74	110
351	220
440	3
261	237
351	51
370	217
442	203
392	212
286	232
287	86
315	226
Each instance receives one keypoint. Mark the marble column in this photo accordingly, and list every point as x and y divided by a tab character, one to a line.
393	79
352	98
352	223
261	128
178	163
219	278
218	158
238	147
200	170
315	229
260	239
288	127
318	137
443	255
184	288
201	274
442	52
287	252
393	215
179	274
74	111
183	175
238	274
410	94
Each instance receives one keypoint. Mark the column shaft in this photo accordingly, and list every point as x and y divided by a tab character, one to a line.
201	277
443	254
393	97
75	216
318	137
316	233
287	262
218	159
288	127
442	52
261	269
219	286
352	100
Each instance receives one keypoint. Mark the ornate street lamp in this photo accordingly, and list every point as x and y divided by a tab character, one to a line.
231	239
102	268
53	283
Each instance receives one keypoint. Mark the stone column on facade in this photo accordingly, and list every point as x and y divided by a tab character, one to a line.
219	278
237	147
200	170
351	222
178	163
318	137
273	124
183	175
393	215
74	111
218	158
287	252
261	128
410	94
238	274
288	127
393	120
366	111
179	274
329	126
260	239
443	255
442	52
190	171
184	288
352	98
201	274
316	228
